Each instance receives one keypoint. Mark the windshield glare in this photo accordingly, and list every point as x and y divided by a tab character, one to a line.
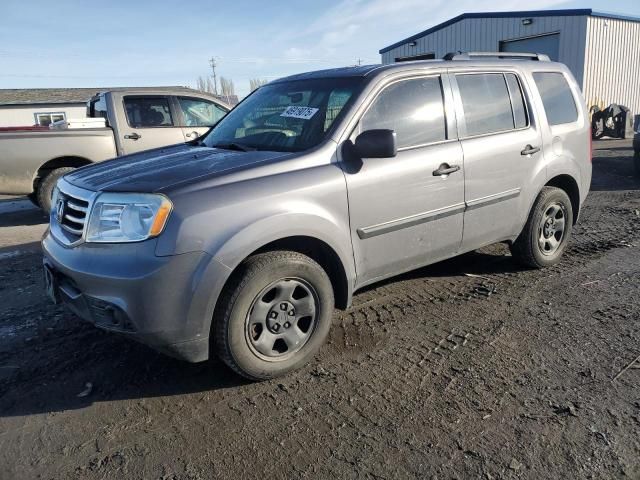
290	117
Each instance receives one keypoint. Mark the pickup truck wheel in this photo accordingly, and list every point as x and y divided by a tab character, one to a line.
274	315
46	186
547	231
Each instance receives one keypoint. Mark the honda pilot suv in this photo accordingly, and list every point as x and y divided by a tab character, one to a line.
242	242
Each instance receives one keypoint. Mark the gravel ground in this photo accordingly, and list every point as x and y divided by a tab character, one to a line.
472	368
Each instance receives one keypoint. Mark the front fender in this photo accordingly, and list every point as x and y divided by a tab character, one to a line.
284	225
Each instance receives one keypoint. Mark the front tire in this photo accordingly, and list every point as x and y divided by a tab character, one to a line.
45	188
274	315
546	234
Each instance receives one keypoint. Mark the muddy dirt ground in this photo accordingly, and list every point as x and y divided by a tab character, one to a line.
472	368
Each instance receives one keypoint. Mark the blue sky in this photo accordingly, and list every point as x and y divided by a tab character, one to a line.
80	43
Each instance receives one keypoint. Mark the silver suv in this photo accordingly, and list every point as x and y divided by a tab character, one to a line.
243	242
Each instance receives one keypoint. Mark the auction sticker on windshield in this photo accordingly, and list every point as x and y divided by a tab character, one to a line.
304	113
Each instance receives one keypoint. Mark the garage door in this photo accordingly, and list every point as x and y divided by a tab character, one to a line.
549	44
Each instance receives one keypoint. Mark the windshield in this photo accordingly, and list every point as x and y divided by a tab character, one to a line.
289	117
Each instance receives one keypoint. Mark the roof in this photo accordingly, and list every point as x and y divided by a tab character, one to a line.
342	72
529	13
46	96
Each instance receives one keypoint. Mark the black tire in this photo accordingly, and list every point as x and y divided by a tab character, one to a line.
527	249
636	164
233	331
46	186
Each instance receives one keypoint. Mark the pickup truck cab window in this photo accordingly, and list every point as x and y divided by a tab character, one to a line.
286	116
197	112
145	112
413	108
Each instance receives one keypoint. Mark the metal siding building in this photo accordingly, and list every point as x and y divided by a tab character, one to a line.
602	50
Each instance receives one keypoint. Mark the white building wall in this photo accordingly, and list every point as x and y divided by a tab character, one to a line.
485	34
24	115
612	63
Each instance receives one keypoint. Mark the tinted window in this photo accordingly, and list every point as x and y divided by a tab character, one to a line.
486	103
413	108
557	98
286	116
148	111
517	101
200	113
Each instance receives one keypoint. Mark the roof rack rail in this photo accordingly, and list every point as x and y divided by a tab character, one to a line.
540	57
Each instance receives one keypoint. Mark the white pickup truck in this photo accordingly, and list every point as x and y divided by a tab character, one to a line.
33	158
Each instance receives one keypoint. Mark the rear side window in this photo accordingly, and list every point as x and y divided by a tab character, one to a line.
413	108
557	98
486	103
148	112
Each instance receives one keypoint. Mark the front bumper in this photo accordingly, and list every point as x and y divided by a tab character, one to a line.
164	302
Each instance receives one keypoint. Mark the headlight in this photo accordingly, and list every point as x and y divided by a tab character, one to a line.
127	217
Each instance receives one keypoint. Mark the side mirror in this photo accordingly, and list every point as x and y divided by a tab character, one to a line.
376	144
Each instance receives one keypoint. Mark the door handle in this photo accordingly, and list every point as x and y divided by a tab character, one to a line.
192	134
445	169
529	150
133	136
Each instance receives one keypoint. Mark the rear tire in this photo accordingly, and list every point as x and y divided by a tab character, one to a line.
45	188
274	315
547	232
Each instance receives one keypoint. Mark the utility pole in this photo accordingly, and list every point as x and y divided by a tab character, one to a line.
212	62
359	62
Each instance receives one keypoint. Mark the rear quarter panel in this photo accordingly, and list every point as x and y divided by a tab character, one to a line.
24	153
566	147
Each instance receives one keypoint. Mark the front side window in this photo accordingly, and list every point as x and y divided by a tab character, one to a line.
200	113
486	103
288	116
557	98
145	112
413	108
46	119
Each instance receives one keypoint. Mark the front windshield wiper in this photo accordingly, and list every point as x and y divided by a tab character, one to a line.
234	146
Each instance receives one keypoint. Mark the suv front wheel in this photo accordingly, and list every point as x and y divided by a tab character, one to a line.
274	315
546	234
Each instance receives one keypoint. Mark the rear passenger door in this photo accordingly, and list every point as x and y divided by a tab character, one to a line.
197	116
402	214
501	146
150	123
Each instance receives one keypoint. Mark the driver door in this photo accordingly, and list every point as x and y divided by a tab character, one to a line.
403	214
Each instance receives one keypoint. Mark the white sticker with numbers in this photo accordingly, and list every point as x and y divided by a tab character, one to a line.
305	113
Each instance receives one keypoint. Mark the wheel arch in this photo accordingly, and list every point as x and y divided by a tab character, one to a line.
570	186
58	162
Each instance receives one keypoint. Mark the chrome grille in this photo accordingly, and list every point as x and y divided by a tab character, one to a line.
70	213
73	213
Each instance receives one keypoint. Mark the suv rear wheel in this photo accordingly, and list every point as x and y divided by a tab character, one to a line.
45	187
274	315
547	231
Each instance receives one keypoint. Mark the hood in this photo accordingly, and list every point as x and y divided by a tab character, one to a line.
158	169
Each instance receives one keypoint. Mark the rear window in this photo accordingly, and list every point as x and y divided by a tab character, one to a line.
486	103
148	112
557	98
